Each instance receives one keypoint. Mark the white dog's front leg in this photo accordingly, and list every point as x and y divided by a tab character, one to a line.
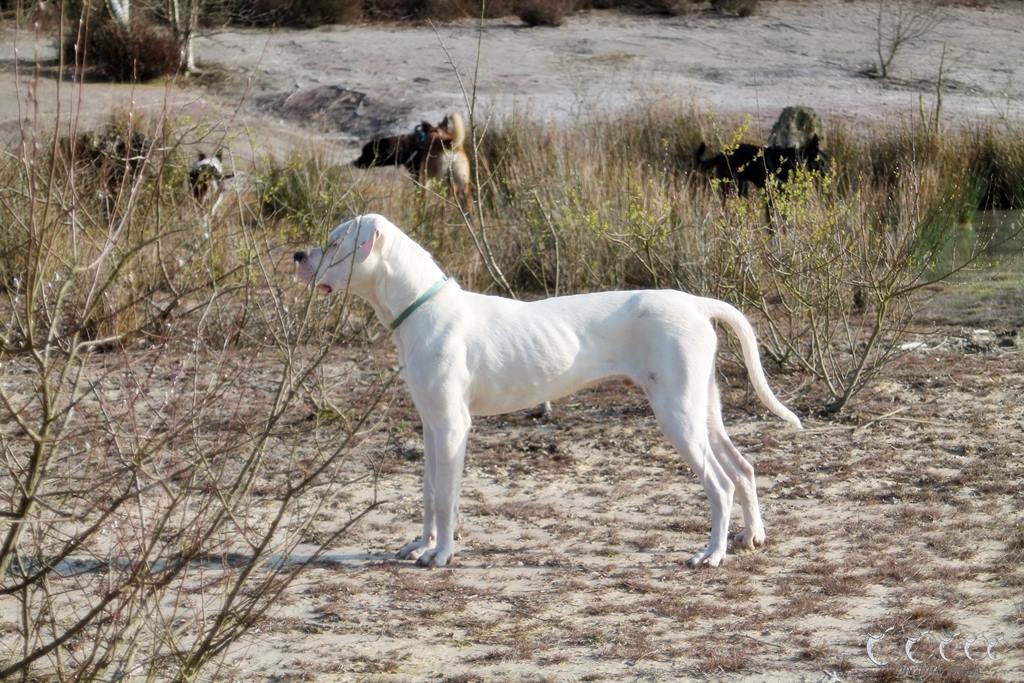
449	456
428	539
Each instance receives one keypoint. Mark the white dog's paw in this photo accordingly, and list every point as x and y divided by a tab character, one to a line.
750	538
436	557
707	558
414	549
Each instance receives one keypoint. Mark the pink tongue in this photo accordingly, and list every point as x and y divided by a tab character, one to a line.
324	289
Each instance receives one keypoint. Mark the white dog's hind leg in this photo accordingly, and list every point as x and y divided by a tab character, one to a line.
449	456
739	470
719	489
684	422
428	539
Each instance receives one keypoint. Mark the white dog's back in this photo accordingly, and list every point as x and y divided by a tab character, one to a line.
519	351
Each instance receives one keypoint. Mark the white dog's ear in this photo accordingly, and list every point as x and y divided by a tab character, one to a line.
368	246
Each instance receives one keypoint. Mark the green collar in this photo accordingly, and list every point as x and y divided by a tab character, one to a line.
424	298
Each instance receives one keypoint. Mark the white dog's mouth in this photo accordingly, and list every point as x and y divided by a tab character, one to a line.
324	289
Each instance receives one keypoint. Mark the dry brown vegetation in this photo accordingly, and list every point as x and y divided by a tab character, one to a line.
188	437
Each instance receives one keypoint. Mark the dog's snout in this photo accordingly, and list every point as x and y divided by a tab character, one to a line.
299	256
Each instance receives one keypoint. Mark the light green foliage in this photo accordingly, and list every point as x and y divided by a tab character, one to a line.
304	194
829	265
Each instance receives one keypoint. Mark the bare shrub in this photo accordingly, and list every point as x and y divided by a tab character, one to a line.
900	23
260	13
668	8
496	8
46	15
293	13
319	12
739	8
662	7
116	154
159	374
435	10
445	10
316	12
309	13
544	12
141	52
832	279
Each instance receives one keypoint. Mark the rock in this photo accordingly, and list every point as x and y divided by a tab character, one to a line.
335	108
795	126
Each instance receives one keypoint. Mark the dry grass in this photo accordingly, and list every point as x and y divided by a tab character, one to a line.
577	527
787	610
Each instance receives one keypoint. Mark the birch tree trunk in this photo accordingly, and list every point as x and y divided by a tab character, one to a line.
184	16
120	9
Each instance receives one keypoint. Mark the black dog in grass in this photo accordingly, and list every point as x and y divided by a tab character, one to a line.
397	150
428	152
747	165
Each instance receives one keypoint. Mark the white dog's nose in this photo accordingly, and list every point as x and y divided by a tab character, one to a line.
299	256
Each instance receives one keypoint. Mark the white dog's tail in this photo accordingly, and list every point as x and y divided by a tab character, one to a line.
719	310
458	130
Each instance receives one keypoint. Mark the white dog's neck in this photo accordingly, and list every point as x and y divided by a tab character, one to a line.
396	287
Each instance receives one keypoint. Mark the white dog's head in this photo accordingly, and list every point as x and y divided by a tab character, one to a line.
349	259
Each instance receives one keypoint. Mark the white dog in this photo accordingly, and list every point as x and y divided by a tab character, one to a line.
465	354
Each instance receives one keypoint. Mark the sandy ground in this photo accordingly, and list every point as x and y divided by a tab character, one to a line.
343	84
900	518
905	514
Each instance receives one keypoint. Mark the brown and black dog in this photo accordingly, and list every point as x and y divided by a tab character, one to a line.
206	176
747	165
427	152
